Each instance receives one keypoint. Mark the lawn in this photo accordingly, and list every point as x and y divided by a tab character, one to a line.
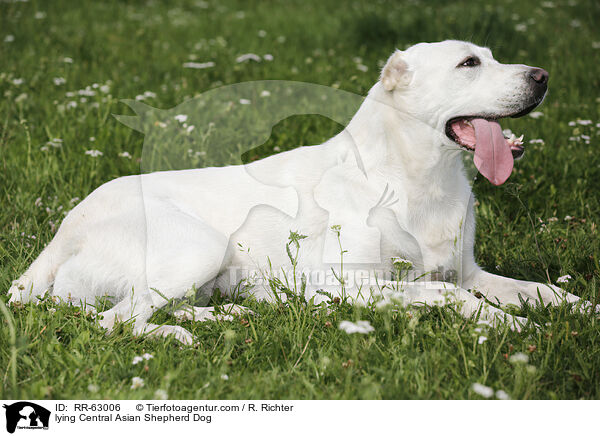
65	67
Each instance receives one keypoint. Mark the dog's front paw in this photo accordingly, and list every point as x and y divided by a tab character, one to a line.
556	296
106	320
496	317
178	332
20	291
182	335
545	294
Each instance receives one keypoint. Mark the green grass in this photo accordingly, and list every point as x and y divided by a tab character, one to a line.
294	350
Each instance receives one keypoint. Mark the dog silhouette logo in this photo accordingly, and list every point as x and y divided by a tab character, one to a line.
26	415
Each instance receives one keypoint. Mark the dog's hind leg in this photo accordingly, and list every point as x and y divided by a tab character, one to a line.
39	277
139	308
181	254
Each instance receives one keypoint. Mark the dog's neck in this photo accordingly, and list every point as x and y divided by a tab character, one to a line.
390	140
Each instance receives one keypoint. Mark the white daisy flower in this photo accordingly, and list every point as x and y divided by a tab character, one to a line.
88	92
224	377
244	101
137	382
398	262
265	93
501	395
519	358
521	27
125	154
481	339
182	118
268	57
248	57
484	391
161	394
55	143
564	279
198	65
94	153
363	327
9	38
536	115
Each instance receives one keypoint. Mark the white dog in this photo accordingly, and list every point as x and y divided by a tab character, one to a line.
402	193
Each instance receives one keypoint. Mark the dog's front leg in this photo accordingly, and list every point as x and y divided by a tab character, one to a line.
440	263
507	290
442	294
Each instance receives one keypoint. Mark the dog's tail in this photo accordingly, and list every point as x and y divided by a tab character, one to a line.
39	277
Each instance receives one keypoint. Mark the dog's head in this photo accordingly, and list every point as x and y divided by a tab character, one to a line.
461	91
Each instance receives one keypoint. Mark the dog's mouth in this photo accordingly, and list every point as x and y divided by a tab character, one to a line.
494	153
462	130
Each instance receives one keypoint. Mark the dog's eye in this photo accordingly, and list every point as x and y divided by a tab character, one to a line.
471	61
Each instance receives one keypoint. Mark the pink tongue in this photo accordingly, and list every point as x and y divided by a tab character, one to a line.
493	157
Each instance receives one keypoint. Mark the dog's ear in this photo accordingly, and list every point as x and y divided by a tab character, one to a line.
395	73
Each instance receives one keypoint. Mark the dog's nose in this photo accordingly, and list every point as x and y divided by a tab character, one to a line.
539	76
